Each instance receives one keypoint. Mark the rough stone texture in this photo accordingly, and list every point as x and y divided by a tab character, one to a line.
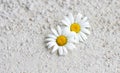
25	23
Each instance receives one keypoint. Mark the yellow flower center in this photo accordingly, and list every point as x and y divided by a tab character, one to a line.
61	40
75	27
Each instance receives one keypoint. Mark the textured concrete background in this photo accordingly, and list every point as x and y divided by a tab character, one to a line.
25	23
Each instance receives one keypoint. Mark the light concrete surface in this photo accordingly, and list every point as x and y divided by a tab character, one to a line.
24	25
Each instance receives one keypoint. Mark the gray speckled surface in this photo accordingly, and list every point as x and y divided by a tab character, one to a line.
25	23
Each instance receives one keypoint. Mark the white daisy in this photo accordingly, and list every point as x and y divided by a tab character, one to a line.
60	40
78	25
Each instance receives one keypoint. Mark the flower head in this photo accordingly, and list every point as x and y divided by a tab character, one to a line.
80	26
60	41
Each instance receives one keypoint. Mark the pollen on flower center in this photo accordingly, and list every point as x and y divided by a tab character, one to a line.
75	27
61	40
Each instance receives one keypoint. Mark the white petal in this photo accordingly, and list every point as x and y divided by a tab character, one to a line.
54	31
78	18
50	39
72	37
85	24
77	38
65	22
50	44
59	30
71	18
65	30
54	48
83	35
73	40
70	46
52	36
85	30
65	50
60	51
71	34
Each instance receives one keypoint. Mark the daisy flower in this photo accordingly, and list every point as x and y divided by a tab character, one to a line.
60	41
79	25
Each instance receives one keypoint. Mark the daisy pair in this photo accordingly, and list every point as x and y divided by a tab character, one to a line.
75	29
